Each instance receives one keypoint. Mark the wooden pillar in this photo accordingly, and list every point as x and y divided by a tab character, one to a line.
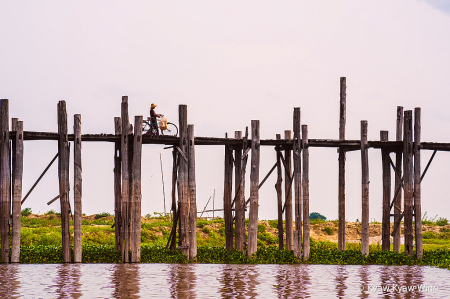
77	190
137	194
288	194
254	186
17	190
305	184
174	200
5	180
341	196
279	197
365	190
125	233
417	174
398	167
386	222
297	183
117	183
227	198
239	193
408	182
63	159
193	197
183	195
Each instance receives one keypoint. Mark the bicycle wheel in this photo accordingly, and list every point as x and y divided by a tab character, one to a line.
146	126
171	130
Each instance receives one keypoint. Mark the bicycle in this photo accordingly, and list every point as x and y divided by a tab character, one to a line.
167	129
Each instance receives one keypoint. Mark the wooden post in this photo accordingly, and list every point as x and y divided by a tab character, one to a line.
279	197
297	182
77	190
193	197
417	173
63	159
386	222
365	190
117	183
398	167
5	180
17	191
239	194
125	233
174	200
408	181
227	198
254	186
341	198
137	194
183	195
288	194
305	184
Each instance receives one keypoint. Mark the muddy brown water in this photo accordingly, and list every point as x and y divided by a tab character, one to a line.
221	281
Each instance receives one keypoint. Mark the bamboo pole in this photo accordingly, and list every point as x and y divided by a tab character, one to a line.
386	222
305	184
63	148
137	194
227	198
297	182
183	195
341	196
125	233
398	166
288	194
408	182
365	190
254	186
77	190
239	195
417	179
279	197
4	180
17	191
117	184
193	196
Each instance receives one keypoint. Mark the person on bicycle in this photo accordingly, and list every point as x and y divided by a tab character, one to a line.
153	120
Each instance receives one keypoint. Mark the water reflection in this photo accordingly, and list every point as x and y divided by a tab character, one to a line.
341	277
239	282
9	284
293	281
66	284
126	280
364	277
182	280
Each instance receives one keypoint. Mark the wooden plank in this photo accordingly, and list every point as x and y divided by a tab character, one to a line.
341	194
117	183
239	186
254	193
63	149
288	195
137	194
305	185
417	180
17	194
297	177
193	197
386	167
227	190
365	190
408	182
183	189
398	183
5	180
279	197
125	233
77	190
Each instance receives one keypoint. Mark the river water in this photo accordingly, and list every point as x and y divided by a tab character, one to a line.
221	281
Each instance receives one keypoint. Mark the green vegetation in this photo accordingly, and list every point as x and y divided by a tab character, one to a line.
26	212
328	230
315	215
102	215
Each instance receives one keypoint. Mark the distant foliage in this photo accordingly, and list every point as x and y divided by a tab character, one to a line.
442	221
328	230
51	212
315	215
26	212
102	215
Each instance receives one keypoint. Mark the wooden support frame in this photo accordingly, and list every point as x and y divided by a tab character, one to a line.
397	201
117	184
17	190
241	164
183	195
365	190
227	191
254	187
125	226
305	187
288	195
408	181
5	177
137	193
279	197
341	150
386	168
77	191
193	196
297	177
417	182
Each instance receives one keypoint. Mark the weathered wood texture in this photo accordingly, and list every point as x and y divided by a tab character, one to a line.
279	197
297	181
305	184
254	186
183	195
398	170
77	190
386	167
5	180
288	194
17	191
173	236
417	179
365	190
137	194
408	182
193	197
13	166
63	173
239	188
341	196
117	183
227	197
125	233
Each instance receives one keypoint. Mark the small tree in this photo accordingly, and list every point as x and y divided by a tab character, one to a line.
315	215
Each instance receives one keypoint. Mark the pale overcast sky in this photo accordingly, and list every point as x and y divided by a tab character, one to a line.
230	62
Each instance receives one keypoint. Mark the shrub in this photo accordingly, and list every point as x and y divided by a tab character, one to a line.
273	223
51	212
442	221
328	230
102	215
261	228
444	230
26	212
429	235
206	230
315	215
